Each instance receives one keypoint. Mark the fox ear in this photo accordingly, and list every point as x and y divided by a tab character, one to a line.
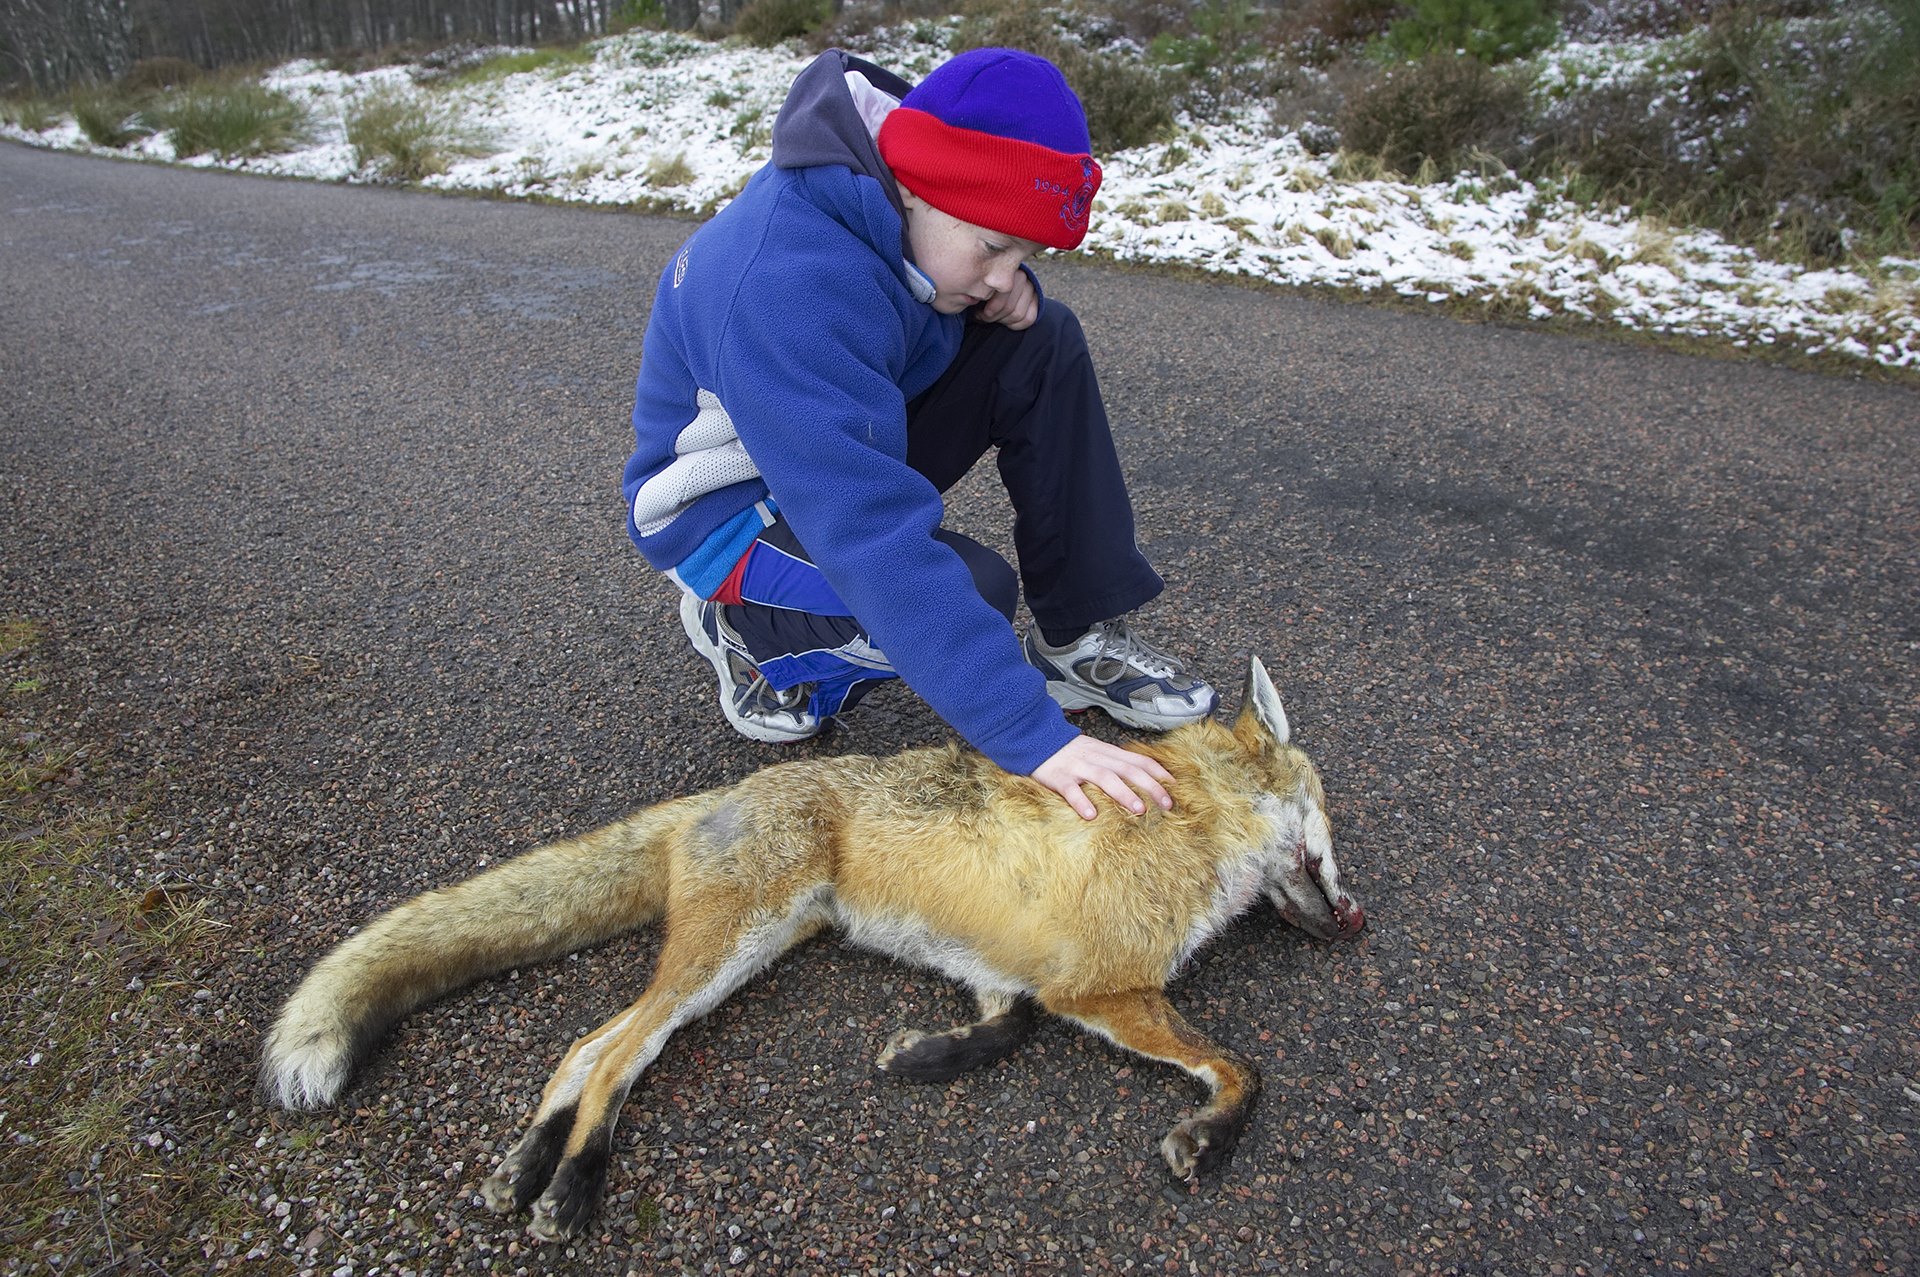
1262	702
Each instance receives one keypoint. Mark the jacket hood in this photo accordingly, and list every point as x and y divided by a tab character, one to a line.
819	124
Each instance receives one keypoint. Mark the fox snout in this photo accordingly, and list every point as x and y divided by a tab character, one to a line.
1339	919
1309	896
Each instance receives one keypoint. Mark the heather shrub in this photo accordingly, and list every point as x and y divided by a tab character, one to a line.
768	22
1127	105
1347	21
1215	37
853	22
1312	100
151	75
1015	24
637	15
1486	30
1317	33
1639	19
1628	140
1800	133
1434	113
1128	102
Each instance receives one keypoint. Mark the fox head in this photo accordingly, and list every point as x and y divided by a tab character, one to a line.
1304	881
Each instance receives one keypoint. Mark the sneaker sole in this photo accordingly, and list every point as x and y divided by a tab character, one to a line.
716	657
1073	700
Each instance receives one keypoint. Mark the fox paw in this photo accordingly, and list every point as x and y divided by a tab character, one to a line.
914	1056
525	1170
496	1190
898	1046
571	1198
1198	1146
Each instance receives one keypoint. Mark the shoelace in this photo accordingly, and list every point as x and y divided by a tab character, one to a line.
1123	645
757	693
762	693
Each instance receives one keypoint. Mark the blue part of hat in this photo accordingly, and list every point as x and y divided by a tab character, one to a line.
1006	92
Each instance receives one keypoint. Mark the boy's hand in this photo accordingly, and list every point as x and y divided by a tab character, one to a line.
1017	308
1124	775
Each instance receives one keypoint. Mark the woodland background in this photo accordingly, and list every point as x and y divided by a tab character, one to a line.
51	44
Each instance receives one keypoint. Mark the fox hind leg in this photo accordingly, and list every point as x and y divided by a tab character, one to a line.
1006	1020
523	1174
525	1171
1143	1021
560	1165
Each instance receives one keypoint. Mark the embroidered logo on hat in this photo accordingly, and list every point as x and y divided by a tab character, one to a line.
1074	212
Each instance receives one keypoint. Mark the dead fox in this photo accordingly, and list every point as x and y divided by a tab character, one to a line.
934	856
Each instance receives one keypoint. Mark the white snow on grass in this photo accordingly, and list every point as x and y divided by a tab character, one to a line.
667	122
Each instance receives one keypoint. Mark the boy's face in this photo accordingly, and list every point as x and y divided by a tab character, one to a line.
968	264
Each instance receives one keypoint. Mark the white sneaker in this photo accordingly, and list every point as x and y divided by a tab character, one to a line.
755	709
1111	668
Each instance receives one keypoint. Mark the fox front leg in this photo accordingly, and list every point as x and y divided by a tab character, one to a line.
1141	1020
1006	1020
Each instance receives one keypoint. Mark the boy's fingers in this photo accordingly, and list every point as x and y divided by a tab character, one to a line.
1141	776
1146	784
1009	316
1128	778
1016	308
1074	797
1021	311
1122	792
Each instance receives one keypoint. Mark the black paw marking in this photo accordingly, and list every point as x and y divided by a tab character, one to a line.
914	1056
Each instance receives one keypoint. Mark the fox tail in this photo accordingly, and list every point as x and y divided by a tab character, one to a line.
550	901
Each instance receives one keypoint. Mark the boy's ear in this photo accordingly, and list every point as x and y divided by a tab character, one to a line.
1260	706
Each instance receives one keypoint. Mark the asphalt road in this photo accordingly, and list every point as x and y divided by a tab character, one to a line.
1608	656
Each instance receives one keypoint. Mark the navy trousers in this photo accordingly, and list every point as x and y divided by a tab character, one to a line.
1032	396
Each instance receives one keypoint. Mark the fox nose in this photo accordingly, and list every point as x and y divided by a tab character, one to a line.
1352	919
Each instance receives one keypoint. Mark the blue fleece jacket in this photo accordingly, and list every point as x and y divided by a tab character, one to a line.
786	338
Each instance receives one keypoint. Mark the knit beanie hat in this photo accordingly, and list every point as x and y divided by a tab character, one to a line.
995	137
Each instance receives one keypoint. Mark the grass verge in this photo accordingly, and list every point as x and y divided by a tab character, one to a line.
230	121
404	137
35	115
110	118
95	977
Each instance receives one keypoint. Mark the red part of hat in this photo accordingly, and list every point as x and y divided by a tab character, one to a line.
1002	183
